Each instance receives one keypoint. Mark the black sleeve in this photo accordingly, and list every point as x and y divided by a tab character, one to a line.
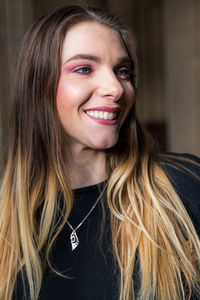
183	170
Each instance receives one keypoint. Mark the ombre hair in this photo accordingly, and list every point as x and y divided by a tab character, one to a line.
148	217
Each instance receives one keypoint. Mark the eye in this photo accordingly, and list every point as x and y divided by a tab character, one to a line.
124	73
84	70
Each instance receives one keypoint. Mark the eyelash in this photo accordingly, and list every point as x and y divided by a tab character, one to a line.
80	69
128	72
87	70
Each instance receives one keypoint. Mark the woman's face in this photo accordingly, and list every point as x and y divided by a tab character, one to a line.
94	93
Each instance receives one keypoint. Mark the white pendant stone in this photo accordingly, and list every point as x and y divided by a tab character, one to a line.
74	240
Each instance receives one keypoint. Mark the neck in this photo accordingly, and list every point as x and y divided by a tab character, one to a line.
85	167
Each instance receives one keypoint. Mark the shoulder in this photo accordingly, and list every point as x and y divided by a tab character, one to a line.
181	168
183	171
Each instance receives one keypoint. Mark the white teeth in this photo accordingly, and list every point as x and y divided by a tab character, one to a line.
111	116
106	116
96	114
102	115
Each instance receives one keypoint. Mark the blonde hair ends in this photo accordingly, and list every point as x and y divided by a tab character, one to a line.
148	216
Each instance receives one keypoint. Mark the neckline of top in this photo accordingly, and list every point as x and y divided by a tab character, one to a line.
90	187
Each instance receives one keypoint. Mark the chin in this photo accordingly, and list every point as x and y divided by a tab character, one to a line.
106	144
105	141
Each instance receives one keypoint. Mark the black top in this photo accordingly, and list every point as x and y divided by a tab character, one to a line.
91	270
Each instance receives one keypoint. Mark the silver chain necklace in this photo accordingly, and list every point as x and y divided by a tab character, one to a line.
73	236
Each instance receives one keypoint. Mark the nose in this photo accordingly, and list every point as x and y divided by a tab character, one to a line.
109	86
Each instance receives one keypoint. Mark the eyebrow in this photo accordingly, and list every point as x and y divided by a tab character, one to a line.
83	56
124	59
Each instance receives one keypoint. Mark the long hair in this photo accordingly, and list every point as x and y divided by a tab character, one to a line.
147	214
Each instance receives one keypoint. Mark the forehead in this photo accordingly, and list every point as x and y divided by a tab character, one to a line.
92	36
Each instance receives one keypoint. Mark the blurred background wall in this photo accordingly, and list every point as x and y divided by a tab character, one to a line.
169	59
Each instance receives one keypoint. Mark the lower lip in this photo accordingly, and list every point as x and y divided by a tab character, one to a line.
103	121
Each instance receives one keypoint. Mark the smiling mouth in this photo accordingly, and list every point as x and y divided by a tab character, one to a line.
102	115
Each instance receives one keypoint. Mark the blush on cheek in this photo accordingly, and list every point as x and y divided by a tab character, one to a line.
68	91
60	91
64	94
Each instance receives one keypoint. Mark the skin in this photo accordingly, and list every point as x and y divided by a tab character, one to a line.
95	75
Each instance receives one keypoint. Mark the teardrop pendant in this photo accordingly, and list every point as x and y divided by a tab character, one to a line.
74	240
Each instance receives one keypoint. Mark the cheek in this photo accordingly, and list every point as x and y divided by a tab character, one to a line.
68	93
130	98
127	103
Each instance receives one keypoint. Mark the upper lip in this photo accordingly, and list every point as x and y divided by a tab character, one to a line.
104	108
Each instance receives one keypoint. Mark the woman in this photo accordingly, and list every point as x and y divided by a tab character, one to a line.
88	210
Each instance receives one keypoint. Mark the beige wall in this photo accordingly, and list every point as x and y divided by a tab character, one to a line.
182	74
169	59
169	56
